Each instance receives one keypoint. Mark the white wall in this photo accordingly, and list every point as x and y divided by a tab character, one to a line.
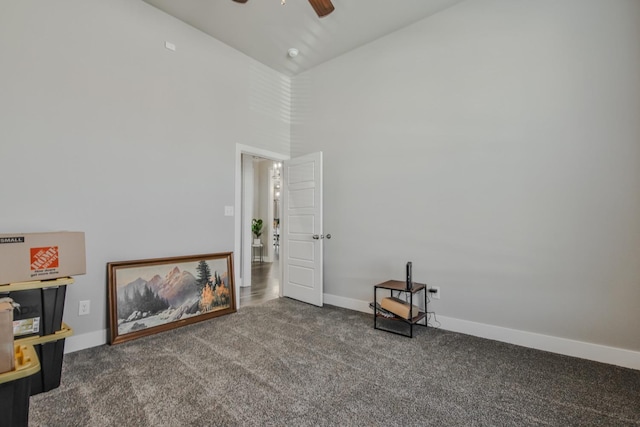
497	146
103	130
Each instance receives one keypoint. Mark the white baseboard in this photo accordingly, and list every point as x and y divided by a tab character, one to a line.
568	347
351	304
83	341
584	350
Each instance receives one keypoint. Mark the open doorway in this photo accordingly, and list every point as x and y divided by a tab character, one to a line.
264	209
257	260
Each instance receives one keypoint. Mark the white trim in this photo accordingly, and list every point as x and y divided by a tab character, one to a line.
351	304
84	341
599	353
245	257
568	347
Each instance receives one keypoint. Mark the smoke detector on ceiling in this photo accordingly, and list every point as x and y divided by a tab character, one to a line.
293	52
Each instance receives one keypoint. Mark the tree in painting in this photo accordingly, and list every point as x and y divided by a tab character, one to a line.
143	301
204	274
215	294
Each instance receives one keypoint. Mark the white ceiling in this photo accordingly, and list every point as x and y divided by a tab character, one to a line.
265	29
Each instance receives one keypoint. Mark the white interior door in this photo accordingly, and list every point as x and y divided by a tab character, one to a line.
302	239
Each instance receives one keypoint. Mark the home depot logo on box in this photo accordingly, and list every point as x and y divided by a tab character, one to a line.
42	258
26	257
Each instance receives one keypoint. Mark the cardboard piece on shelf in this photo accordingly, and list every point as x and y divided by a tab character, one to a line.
6	337
399	307
26	257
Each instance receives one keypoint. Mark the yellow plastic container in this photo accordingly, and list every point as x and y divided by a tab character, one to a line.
49	350
15	387
64	332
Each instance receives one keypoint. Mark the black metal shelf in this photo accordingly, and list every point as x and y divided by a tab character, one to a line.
398	286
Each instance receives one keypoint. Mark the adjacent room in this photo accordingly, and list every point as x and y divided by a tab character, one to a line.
494	144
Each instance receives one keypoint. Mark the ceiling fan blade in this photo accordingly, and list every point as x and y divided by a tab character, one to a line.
240	1
322	7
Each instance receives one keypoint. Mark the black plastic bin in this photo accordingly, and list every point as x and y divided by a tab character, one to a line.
41	307
50	352
15	388
42	300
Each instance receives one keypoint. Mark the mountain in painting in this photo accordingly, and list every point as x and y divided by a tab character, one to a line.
176	287
135	286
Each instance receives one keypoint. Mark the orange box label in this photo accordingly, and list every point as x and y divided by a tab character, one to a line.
42	258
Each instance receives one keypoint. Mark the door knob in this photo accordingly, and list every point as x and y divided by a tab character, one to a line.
328	236
315	237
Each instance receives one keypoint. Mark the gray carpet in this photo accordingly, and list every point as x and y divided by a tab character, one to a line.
285	363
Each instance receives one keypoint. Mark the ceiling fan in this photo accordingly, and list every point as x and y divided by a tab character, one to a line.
322	7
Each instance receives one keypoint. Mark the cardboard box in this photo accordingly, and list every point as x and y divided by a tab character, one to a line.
6	337
398	307
25	257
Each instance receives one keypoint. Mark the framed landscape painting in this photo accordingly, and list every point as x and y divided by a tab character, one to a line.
155	295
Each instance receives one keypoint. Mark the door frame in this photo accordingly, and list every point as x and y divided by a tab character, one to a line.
243	253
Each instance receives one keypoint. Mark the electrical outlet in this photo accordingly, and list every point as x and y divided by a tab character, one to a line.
84	308
435	294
